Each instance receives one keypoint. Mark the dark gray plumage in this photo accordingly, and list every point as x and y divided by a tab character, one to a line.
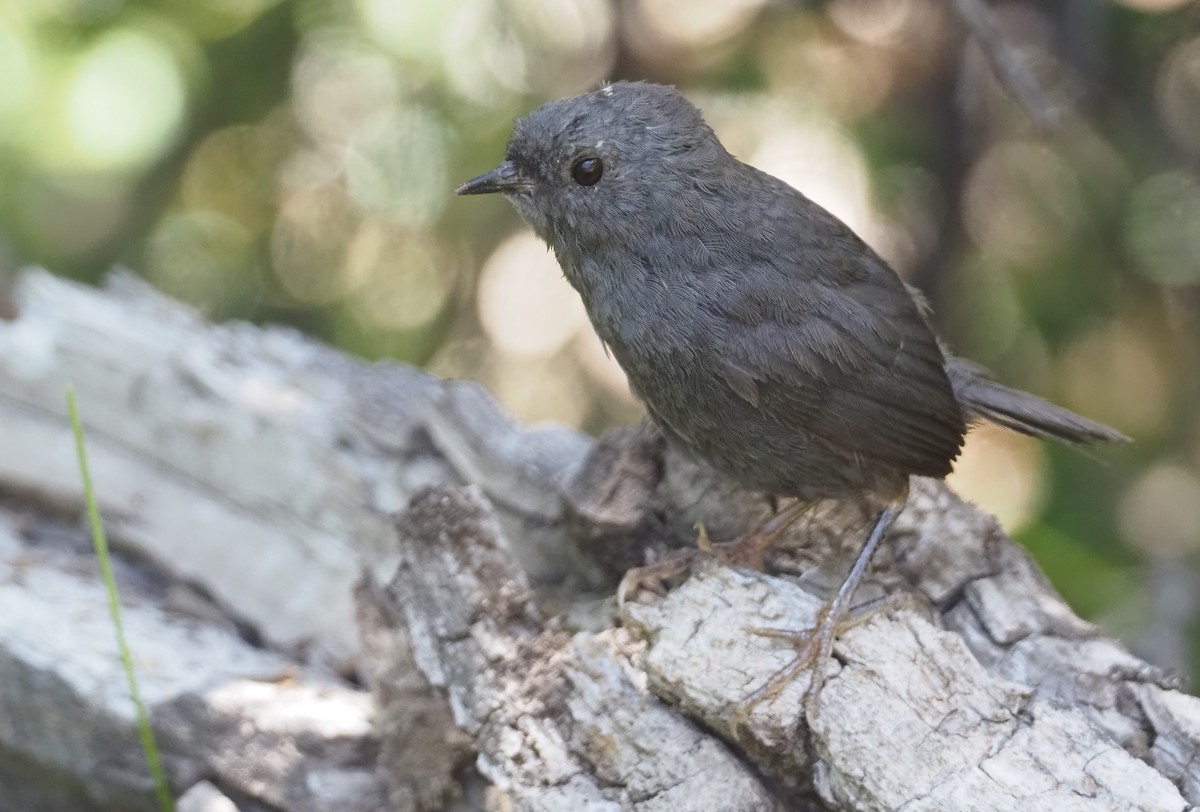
762	334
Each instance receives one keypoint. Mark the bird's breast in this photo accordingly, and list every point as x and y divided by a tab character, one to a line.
647	318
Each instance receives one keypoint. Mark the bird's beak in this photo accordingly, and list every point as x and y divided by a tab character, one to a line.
504	178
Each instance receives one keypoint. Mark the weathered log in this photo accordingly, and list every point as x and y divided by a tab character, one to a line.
254	471
910	717
246	719
261	469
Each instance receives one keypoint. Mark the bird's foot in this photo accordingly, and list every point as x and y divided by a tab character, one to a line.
813	650
748	551
655	577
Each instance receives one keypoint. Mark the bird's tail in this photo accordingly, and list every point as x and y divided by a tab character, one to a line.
1021	411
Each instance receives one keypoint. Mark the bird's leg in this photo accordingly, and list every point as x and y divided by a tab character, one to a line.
747	551
815	646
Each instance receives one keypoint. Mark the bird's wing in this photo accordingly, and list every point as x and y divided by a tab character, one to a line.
852	362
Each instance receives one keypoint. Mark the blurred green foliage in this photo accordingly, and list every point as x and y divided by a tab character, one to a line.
294	161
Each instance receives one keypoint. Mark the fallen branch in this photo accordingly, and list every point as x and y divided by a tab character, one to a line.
1013	69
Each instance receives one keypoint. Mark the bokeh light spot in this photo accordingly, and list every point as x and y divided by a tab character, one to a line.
1155	5
1178	92
525	305
539	390
568	26
878	22
1022	200
408	29
396	164
308	242
407	277
1116	353
19	71
125	102
337	85
1002	472
1159	514
533	389
202	257
233	171
686	24
1162	228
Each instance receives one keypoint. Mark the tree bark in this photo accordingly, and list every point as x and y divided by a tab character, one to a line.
268	475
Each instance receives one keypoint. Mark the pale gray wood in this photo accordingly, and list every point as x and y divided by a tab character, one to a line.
255	462
249	719
205	797
909	718
264	469
560	722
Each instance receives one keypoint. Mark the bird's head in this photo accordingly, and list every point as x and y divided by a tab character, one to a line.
600	167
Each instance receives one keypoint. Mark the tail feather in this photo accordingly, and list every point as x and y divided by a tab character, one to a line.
1021	411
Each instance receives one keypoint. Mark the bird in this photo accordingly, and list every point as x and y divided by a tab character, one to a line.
764	337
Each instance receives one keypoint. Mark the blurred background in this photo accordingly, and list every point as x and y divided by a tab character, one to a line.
293	161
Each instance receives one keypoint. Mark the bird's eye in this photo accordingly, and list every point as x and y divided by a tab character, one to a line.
587	171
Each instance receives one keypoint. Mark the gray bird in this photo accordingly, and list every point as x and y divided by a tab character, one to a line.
764	337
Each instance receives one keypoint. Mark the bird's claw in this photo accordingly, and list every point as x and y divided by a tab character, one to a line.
655	575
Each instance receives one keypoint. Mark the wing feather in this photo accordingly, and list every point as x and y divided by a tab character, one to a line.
853	364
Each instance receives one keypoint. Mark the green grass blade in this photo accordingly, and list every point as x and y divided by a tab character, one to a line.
100	541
